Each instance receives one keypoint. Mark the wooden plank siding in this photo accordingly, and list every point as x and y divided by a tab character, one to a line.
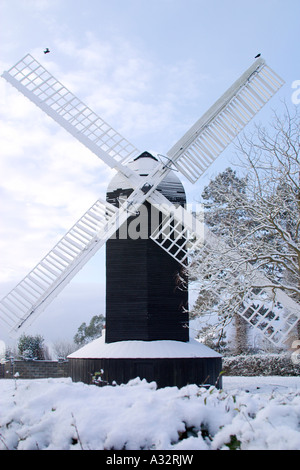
143	299
144	302
165	372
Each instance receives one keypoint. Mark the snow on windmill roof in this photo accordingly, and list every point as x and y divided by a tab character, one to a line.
98	349
171	185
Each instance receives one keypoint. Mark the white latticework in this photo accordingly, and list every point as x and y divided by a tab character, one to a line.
59	266
37	84
211	134
180	234
273	318
270	310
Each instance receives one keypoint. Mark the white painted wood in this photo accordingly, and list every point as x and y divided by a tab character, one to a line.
228	116
37	84
259	307
58	267
180	233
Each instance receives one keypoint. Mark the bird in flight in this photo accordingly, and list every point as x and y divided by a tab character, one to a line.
257	56
46	51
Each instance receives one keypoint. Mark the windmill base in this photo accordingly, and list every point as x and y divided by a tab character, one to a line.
168	363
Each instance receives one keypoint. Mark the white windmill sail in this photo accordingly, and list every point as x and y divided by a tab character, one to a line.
52	97
191	155
202	145
218	127
31	296
180	233
44	282
37	84
273	313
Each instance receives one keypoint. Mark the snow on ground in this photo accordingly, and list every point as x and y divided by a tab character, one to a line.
57	414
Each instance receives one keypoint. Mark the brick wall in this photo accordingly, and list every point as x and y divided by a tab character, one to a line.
36	369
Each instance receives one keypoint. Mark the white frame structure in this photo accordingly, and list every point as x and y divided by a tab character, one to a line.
219	126
37	84
180	233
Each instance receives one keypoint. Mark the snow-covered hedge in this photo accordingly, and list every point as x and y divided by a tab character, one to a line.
260	364
56	414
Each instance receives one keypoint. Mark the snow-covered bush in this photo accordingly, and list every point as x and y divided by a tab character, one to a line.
56	414
31	347
260	364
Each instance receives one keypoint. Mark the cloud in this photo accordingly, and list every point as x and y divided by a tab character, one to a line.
38	5
138	95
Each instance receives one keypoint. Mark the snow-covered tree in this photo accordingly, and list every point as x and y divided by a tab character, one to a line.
31	347
253	220
215	200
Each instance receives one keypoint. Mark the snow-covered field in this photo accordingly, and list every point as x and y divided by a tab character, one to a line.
57	414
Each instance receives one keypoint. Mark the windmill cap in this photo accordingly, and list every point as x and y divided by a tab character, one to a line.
146	155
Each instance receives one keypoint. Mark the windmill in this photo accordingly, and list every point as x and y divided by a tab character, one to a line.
177	232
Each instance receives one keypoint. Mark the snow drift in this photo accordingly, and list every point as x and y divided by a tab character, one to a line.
57	414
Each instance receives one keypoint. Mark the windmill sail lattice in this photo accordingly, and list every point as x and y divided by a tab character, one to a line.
180	232
207	139
271	311
30	297
203	144
274	315
35	82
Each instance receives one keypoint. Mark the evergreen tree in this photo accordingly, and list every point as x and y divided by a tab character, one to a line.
220	217
31	347
87	333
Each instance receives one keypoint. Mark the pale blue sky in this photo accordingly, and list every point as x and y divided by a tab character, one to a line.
151	68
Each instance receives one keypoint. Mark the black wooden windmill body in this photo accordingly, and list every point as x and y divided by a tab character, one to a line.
146	312
143	301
